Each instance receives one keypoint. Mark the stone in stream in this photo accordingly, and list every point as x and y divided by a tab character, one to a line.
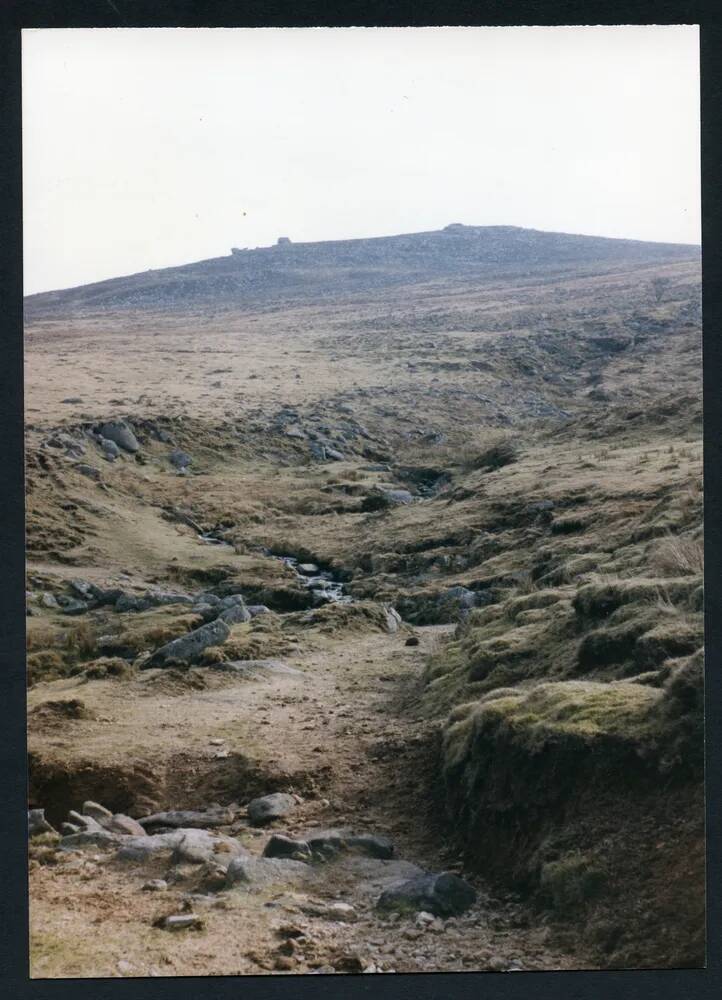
37	823
269	807
307	568
280	846
121	434
189	818
189	646
443	895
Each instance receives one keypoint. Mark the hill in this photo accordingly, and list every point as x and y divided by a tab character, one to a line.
327	270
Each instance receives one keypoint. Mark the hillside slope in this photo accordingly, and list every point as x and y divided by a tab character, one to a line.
317	271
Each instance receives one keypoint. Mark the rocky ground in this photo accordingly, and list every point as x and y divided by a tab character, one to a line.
423	565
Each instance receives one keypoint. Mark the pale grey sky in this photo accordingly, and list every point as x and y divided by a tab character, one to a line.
153	147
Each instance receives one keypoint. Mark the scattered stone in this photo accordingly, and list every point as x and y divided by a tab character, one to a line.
280	846
73	607
442	895
110	449
155	885
88	470
371	844
72	399
180	459
269	807
124	968
37	823
189	646
258	609
179	922
413	640
343	912
96	811
84	822
89	838
119	432
125	825
189	818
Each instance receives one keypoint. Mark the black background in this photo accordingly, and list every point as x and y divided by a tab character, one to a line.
621	985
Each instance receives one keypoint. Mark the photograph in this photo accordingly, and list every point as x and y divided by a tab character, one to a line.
363	500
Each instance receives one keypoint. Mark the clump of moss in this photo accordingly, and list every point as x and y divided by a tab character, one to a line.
109	667
149	630
569	883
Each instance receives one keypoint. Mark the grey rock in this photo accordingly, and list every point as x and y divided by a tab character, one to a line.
84	822
399	496
459	595
90	838
82	588
206	597
189	646
96	811
262	872
120	823
89	471
266	808
280	846
155	885
180	921
67	828
393	620
199	846
237	613
37	823
232	600
372	844
48	600
335	456
121	434
73	607
180	459
317	450
132	602
307	568
258	609
110	449
188	818
443	895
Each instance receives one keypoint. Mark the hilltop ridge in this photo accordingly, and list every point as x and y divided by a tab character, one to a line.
331	269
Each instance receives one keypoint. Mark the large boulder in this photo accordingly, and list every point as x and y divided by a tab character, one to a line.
269	807
444	895
248	872
187	647
121	433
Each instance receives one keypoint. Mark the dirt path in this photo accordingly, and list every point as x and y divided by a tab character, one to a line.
344	734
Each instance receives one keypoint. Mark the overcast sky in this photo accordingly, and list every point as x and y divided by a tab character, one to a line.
152	147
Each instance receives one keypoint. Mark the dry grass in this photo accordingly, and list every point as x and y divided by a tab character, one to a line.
679	555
